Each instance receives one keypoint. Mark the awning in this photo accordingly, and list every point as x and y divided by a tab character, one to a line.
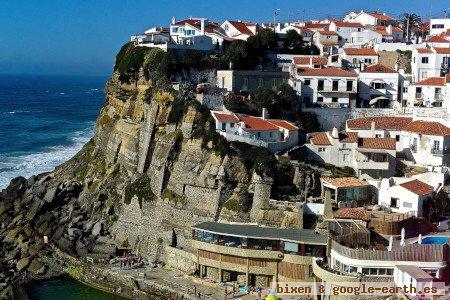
375	100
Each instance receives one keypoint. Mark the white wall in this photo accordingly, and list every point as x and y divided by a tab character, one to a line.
438	26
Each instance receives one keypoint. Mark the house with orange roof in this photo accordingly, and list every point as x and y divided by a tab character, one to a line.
439	26
345	30
152	36
358	58
326	41
379	86
327	86
438	41
369	157
368	37
346	190
422	142
244	81
240	30
273	134
430	92
430	62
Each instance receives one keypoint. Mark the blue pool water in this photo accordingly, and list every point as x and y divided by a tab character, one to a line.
436	240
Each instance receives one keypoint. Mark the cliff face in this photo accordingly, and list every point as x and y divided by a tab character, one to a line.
141	182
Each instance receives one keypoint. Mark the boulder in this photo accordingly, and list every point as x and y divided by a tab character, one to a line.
107	249
36	267
11	235
36	206
23	264
97	228
73	232
51	193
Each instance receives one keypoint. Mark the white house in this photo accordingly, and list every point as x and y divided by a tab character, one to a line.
152	36
377	81
273	134
430	92
390	33
424	143
244	81
369	157
358	58
430	62
438	26
327	41
370	18
437	41
345	30
366	37
331	86
412	276
239	29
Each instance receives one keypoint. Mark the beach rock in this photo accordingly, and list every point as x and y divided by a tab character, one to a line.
23	264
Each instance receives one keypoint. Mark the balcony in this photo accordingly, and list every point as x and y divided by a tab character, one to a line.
322	271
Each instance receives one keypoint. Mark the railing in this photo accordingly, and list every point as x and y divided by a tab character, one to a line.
392	217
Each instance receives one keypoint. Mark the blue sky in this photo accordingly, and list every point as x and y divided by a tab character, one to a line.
82	36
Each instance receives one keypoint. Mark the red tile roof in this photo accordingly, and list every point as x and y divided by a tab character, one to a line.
329	42
283	124
320	139
230	118
428	128
360	51
437	39
348	137
438	81
418	187
347	24
345	181
316	60
242	27
356	213
378	68
442	50
377	143
256	124
316	25
327	32
393	123
330	71
424	50
380	16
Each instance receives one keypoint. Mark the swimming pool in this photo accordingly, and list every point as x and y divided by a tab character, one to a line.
437	240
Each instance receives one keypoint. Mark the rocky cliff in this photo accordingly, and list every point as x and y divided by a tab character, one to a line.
154	167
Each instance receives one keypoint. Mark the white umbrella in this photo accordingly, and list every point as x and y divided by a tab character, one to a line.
420	239
402	240
391	241
375	100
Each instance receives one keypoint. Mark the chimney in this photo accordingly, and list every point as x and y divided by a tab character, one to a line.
372	128
335	133
389	29
311	62
202	26
265	115
174	20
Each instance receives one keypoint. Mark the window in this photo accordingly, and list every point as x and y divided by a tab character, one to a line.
437	91
245	82
368	60
436	145
260	81
322	149
425	60
334	99
397	138
259	134
349	85
390	272
319	99
223	82
224	126
307	81
274	82
270	134
407	204
226	27
320	85
232	125
335	85
346	157
437	26
344	146
394	202
378	135
378	85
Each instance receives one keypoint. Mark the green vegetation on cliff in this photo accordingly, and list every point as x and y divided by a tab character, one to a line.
141	189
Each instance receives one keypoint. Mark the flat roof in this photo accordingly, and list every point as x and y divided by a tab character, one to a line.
304	236
414	271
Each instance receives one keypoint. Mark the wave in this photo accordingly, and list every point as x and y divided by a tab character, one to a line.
16	112
30	164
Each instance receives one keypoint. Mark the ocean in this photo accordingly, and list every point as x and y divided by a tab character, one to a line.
44	121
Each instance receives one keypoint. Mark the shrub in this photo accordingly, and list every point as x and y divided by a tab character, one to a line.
75	272
130	58
231	204
141	189
163	97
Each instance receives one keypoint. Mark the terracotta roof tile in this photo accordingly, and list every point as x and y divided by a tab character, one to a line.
330	71
316	60
418	187
424	50
348	137
347	24
221	117
256	124
378	68
242	27
356	213
380	16
320	139
432	81
316	25
437	39
345	181
327	32
377	143
393	123
283	124
442	50
329	42
360	51
428	128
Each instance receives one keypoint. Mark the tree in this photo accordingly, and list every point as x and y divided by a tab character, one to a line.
159	65
286	104
238	53
269	39
293	42
237	105
410	22
261	98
